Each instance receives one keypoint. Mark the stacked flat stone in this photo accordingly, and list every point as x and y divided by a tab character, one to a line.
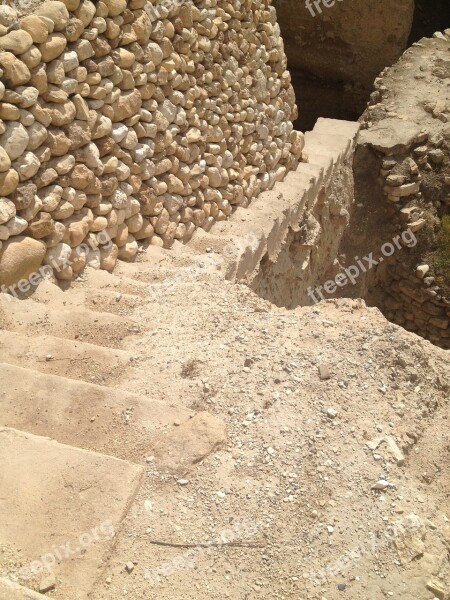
142	121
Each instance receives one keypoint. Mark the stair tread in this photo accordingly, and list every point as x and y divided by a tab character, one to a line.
52	494
32	317
81	414
12	591
70	358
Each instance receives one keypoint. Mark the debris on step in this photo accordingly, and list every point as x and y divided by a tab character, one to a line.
129	567
189	443
409	538
47	583
324	372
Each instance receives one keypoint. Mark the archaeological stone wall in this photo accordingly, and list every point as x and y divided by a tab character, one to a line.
135	121
402	180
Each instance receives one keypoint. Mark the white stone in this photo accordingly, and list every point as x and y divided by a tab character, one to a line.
7	210
14	140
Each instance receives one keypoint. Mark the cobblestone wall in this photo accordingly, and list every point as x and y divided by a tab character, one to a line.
137	120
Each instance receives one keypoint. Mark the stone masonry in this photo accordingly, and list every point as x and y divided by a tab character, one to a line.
135	121
405	146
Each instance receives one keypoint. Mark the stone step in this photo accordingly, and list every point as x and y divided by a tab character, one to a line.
60	506
66	358
102	280
34	318
13	591
349	129
107	420
156	263
97	300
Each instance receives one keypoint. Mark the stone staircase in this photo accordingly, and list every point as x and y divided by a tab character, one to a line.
71	439
73	435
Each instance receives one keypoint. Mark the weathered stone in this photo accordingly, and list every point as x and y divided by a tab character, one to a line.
53	47
127	105
16	226
41	226
15	72
56	12
58	256
409	539
115	7
9	112
27	165
182	447
36	27
14	140
8	15
9	180
5	161
17	42
23	196
7	210
129	250
19	258
109	257
77	227
85	12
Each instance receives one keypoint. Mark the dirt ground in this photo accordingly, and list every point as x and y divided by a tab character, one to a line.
294	481
321	407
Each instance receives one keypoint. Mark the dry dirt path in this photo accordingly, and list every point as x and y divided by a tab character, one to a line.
286	500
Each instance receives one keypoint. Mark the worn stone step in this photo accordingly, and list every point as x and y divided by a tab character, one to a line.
34	318
66	358
96	300
156	263
102	280
337	127
60	506
108	420
13	591
117	303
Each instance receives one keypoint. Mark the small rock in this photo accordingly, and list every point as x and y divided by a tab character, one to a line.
47	583
422	270
129	567
183	481
332	413
437	588
324	372
382	484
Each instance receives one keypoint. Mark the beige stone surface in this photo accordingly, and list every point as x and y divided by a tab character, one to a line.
13	591
142	111
179	450
19	258
81	490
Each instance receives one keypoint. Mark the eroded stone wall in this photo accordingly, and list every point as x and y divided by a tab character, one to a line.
137	121
402	170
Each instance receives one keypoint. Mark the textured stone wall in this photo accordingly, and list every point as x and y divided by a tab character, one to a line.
139	121
403	182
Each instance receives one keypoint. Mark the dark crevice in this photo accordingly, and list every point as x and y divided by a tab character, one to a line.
429	16
330	96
